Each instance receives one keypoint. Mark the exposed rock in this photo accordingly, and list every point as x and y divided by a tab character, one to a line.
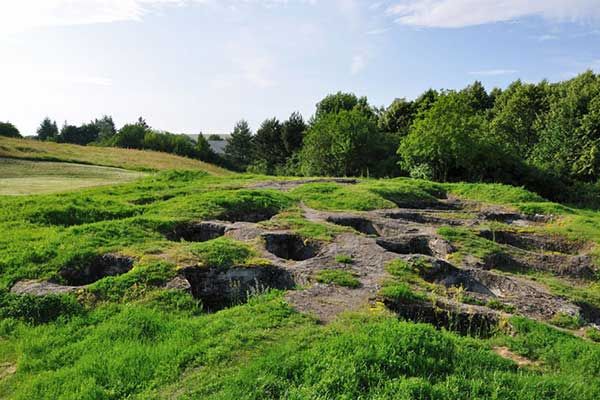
179	283
407	244
41	288
360	224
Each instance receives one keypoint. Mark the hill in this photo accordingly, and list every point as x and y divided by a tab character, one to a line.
185	285
105	156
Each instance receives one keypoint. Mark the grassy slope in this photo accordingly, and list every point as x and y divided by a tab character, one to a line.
106	156
34	177
127	337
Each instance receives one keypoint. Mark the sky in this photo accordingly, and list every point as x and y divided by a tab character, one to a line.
190	66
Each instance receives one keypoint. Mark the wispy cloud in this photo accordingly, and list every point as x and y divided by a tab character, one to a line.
545	38
462	13
494	72
379	31
22	15
359	63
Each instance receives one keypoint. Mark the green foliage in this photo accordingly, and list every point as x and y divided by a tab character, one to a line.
339	102
38	309
498	305
567	321
593	334
344	259
292	133
451	139
240	147
337	277
401	292
47	130
269	146
81	135
222	253
9	130
346	143
398	117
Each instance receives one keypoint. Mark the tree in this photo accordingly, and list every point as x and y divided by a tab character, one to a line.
130	136
268	144
567	145
341	144
477	97
47	130
9	130
397	118
335	103
292	133
215	137
239	150
106	127
517	116
449	140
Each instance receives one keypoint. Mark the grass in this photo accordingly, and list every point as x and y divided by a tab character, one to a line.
128	337
344	259
369	194
20	177
337	277
106	156
222	253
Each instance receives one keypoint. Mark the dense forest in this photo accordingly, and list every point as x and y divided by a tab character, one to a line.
544	136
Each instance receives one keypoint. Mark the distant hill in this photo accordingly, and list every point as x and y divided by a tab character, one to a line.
140	160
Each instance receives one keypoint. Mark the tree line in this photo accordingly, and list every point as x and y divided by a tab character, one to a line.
544	136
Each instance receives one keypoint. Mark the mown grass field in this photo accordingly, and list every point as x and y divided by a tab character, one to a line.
128	337
105	156
20	177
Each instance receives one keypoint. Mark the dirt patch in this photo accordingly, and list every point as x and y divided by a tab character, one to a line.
521	361
360	224
288	185
219	288
289	246
197	231
7	369
534	242
96	268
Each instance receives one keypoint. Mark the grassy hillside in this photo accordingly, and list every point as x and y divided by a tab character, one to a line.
19	177
135	335
105	156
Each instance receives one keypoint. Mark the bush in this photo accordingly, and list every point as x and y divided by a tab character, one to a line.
38	309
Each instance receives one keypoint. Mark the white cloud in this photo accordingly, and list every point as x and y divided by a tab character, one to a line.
22	15
494	72
461	13
359	63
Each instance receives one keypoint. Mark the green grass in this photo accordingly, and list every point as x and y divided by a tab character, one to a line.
369	194
344	259
467	242
127	337
337	277
139	160
293	220
20	177
222	253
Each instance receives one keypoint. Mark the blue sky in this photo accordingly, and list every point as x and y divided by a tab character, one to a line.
200	65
